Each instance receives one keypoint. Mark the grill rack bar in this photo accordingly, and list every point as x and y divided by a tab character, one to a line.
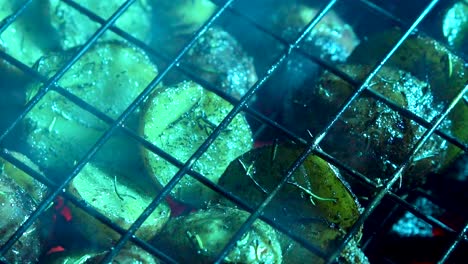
84	206
373	7
6	22
461	236
314	145
408	114
403	23
46	202
51	82
85	106
150	51
344	76
376	201
54	89
173	161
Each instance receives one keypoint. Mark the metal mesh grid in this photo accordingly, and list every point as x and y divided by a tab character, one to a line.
50	84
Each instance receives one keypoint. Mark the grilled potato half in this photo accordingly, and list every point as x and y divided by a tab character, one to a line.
178	120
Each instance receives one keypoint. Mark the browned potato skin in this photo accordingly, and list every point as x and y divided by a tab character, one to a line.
200	236
316	175
16	206
324	236
119	199
370	137
331	39
323	223
32	187
175	119
218	58
23	40
427	60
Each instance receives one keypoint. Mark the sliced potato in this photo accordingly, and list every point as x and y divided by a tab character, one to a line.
32	187
128	255
421	56
218	58
427	60
109	77
332	38
324	236
23	39
117	198
178	120
316	189
315	204
200	237
16	207
370	137
73	28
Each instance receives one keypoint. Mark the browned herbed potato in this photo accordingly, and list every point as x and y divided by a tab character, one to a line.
72	28
118	198
109	77
218	58
370	136
332	38
35	189
23	39
326	237
16	206
200	236
315	203
316	190
178	120
429	61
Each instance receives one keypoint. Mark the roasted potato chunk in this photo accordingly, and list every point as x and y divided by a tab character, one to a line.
218	58
315	203
32	187
73	28
23	39
332	39
429	61
16	207
326	237
371	137
200	236
118	198
109	77
178	120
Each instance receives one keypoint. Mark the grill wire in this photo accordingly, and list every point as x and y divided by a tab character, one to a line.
458	237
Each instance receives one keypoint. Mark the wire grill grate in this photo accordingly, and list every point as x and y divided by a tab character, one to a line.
50	84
